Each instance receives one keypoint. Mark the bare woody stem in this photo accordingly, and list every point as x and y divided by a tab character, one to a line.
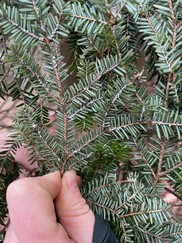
157	176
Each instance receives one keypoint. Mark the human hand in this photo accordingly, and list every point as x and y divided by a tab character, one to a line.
33	204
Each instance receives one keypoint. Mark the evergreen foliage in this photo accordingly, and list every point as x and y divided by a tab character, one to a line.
121	138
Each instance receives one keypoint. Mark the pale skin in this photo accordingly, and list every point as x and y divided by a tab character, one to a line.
33	204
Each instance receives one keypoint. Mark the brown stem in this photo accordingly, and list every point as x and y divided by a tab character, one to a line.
171	169
119	10
174	23
161	157
160	161
144	159
167	91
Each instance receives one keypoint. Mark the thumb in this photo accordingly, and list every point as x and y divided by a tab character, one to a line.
73	211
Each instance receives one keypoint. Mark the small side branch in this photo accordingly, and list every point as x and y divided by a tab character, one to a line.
157	35
160	162
150	123
170	77
171	169
144	159
174	22
119	10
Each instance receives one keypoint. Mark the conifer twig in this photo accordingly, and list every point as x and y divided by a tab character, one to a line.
157	176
